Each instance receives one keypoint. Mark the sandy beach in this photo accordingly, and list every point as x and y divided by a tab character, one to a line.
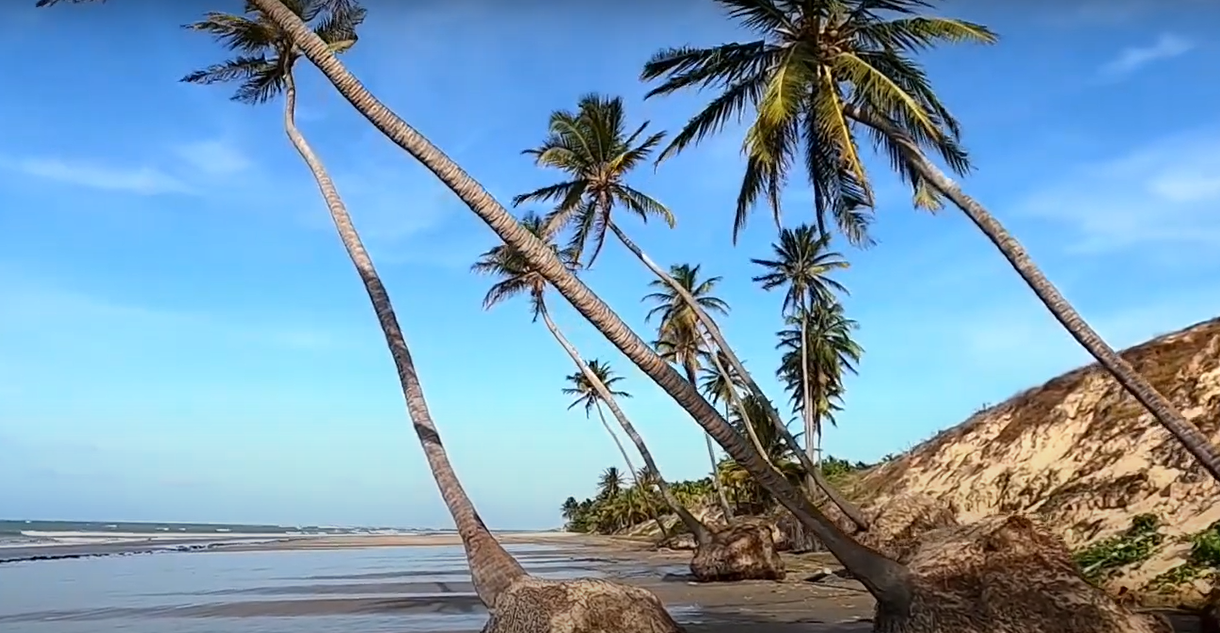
832	605
412	583
798	604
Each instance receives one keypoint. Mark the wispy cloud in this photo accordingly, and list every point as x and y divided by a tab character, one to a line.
215	157
188	166
139	180
29	306
1131	59
1166	193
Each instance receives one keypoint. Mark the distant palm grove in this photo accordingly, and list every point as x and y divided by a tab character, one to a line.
816	82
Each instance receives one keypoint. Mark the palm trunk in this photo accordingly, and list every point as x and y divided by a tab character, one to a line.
806	405
717	485
492	568
563	342
1156	403
702	534
849	510
888	581
635	480
734	400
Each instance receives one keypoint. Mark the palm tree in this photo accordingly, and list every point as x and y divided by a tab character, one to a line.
818	350
586	387
778	452
593	148
890	582
570	508
588	398
610	484
802	265
680	338
264	68
819	73
517	276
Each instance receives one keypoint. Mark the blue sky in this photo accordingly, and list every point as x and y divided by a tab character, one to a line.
182	337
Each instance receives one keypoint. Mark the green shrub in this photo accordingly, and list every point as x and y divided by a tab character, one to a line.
1134	545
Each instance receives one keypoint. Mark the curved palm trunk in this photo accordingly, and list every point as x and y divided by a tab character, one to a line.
702	534
811	430
635	480
492	568
887	580
734	401
717	485
1156	403
849	510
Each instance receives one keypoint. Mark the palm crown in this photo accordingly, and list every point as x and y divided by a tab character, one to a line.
802	262
593	147
679	337
814	64
584	391
265	54
830	351
516	274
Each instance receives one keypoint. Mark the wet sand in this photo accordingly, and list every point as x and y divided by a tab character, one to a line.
797	604
832	605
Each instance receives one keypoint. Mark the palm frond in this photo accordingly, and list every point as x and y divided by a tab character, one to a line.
643	205
759	15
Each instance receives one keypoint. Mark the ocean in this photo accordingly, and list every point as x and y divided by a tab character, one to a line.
43	540
249	588
22	533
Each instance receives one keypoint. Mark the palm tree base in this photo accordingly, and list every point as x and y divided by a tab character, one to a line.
587	605
896	526
1004	574
742	551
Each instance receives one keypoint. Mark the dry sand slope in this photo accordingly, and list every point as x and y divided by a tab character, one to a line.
1081	455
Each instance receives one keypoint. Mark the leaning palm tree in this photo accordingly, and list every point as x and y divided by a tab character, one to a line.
822	71
818	350
680	338
593	148
596	153
932	590
801	265
264	68
517	276
585	386
588	396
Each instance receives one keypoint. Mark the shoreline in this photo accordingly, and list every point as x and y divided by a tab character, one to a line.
796	604
155	544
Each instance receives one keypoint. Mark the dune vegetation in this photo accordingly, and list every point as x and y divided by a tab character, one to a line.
818	79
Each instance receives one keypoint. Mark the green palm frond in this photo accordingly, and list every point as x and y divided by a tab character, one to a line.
516	275
587	395
830	351
802	263
594	148
265	54
815	60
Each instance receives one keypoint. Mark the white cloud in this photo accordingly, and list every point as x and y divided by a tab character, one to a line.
1164	193
1131	59
138	180
213	157
30	306
189	166
1105	12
